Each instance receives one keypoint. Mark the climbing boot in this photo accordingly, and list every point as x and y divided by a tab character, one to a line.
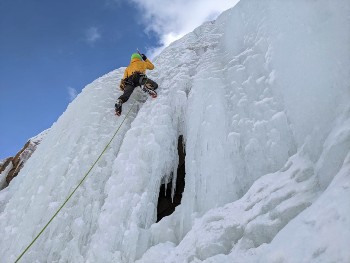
118	107
149	91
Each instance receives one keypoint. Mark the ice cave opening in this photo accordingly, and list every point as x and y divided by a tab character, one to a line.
166	204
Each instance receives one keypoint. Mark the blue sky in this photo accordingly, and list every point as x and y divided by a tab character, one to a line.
49	50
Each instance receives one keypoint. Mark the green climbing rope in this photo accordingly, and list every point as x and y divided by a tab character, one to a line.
72	193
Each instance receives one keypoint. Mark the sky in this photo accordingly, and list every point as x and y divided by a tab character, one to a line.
50	50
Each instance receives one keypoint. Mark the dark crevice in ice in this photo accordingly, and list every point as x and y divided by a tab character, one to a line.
166	206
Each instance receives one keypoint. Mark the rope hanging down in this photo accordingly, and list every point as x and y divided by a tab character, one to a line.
72	193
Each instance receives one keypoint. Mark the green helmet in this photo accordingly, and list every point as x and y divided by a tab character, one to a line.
136	55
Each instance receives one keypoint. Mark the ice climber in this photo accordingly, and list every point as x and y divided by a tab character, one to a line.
134	76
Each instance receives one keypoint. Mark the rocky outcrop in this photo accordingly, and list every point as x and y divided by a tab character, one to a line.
11	166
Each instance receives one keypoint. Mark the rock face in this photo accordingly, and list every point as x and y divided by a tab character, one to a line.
11	166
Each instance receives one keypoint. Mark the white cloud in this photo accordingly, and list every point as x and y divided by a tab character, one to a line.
73	93
92	34
172	19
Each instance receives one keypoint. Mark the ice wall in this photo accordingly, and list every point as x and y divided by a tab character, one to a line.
284	90
59	163
260	96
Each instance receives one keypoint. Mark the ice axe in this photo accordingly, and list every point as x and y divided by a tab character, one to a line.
142	55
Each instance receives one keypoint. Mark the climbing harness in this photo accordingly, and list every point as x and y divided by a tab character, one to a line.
72	193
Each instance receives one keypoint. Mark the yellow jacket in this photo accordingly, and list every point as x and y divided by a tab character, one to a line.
137	65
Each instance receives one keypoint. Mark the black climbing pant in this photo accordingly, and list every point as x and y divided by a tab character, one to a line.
129	88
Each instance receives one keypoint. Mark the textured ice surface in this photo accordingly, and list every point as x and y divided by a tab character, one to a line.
261	96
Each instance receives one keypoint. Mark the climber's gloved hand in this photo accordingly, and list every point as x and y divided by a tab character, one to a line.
143	57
